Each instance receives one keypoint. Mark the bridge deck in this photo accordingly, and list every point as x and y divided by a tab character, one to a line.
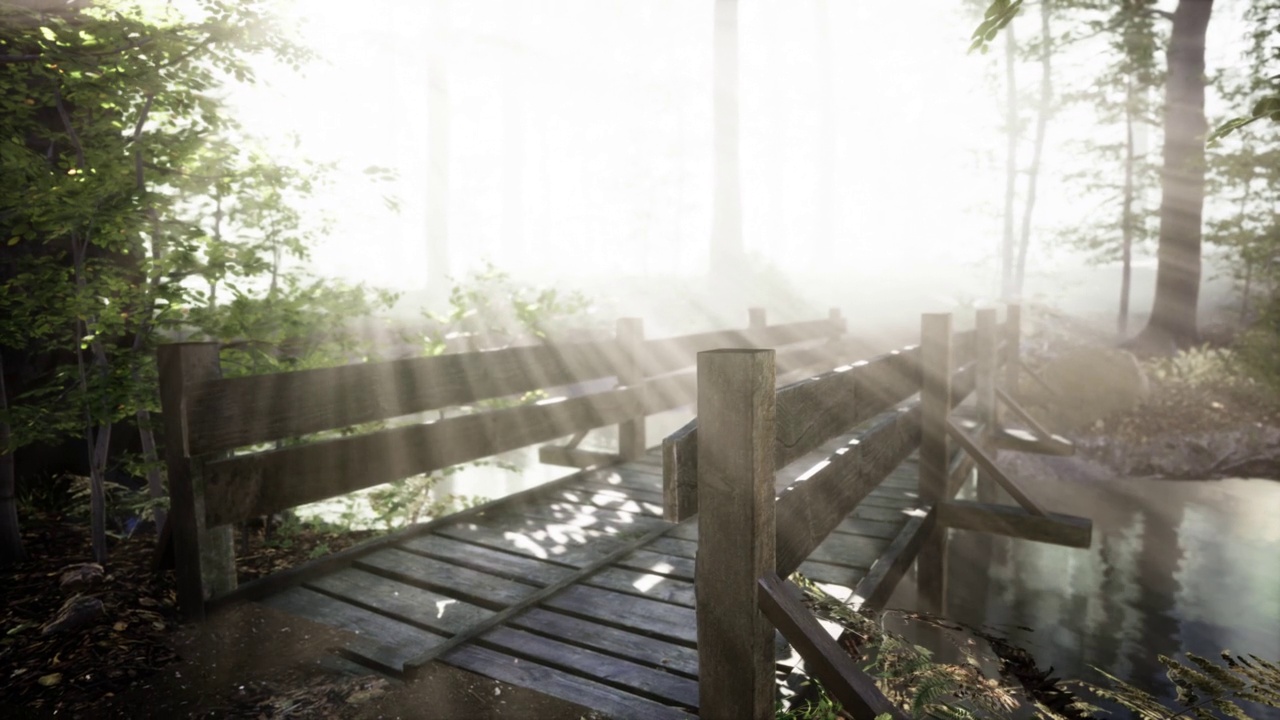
581	591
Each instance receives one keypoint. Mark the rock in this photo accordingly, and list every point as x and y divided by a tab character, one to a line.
76	579
75	613
1090	384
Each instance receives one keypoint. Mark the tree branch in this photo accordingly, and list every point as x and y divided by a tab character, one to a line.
71	131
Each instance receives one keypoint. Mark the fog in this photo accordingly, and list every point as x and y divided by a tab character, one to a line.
580	143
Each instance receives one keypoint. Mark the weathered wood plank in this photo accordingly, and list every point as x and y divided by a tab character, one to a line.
652	498
736	446
607	498
1053	528
809	510
406	603
637	647
630	336
852	551
680	473
627	476
875	589
831	574
886	530
645	584
1023	441
627	611
557	683
520	567
652	562
988	467
472	586
840	676
554	542
645	681
576	457
235	412
250	485
389	644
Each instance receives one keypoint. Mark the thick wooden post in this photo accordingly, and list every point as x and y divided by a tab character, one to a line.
756	318
204	558
736	540
935	405
1012	336
988	343
630	334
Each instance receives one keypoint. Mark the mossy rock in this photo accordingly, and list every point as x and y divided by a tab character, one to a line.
1090	384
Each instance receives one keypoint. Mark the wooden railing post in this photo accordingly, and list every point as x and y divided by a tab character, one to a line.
988	343
736	532
1013	363
630	334
204	558
935	405
756	318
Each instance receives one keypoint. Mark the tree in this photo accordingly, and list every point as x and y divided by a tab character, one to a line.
1043	112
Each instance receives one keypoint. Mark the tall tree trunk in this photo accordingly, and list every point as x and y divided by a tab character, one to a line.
11	549
438	267
727	250
1011	163
824	238
1126	215
1173	313
1042	125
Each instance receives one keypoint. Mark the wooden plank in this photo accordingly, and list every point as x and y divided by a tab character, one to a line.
680	547
251	485
554	542
645	584
829	574
603	505
680	473
576	457
1053	528
628	476
630	335
874	590
235	412
644	681
809	510
988	466
886	530
660	619
813	411
466	584
487	560
389	643
849	550
557	683
736	448
651	496
672	566
1022	441
406	603
637	647
824	658
608	498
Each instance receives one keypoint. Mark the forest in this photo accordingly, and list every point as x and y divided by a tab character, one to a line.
336	211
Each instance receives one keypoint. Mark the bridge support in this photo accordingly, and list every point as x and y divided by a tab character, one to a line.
630	334
935	406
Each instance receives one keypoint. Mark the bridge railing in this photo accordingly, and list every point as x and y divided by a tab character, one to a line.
219	473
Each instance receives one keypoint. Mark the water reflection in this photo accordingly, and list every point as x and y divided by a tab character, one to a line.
1174	567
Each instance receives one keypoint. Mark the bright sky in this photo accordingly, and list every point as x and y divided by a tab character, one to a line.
581	133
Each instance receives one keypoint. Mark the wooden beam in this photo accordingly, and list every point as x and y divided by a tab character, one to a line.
204	559
987	388
809	510
630	335
1059	444
576	457
855	690
1013	348
236	412
680	473
935	407
988	466
1053	528
263	483
1023	441
874	590
736	405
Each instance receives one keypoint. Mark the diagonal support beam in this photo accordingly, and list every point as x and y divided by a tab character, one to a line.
1053	528
987	465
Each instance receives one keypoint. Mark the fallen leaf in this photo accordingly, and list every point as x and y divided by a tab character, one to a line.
50	680
120	626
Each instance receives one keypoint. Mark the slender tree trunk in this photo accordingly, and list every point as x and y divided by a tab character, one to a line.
1173	313
1042	125
97	435
727	250
1007	290
1126	216
438	267
11	549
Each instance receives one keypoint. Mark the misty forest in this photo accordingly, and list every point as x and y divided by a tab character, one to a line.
533	359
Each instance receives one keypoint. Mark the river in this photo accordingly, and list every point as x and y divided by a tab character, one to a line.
1175	567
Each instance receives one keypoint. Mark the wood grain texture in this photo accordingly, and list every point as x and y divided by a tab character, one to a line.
576	457
268	482
660	619
680	473
808	511
737	433
874	590
635	646
644	584
400	601
1053	528
235	412
1025	442
630	337
988	467
827	660
473	586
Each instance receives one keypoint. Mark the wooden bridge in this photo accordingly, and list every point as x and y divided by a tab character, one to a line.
648	584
